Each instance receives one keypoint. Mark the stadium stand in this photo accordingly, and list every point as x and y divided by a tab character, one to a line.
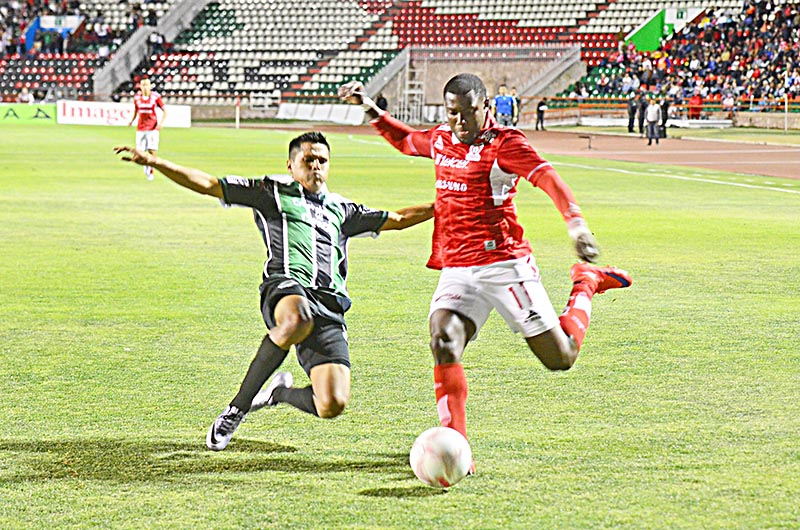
627	14
746	57
236	49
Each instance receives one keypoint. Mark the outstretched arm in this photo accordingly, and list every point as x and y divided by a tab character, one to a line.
585	244
189	178
403	137
407	217
355	94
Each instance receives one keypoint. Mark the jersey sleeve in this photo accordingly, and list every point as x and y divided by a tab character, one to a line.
361	220
255	193
519	157
405	139
159	102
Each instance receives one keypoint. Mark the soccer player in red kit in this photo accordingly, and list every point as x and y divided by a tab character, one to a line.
147	130
478	243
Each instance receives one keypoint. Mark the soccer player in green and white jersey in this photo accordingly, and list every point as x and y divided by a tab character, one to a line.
303	294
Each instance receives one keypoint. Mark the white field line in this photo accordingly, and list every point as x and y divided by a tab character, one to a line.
679	177
651	172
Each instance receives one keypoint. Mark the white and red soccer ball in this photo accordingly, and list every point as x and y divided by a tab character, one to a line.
440	457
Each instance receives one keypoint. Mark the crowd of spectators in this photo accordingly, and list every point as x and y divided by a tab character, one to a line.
15	17
94	36
750	57
730	58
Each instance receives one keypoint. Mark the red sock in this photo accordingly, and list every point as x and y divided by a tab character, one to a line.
575	318
450	384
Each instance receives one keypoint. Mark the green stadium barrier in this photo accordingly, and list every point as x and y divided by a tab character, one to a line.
15	113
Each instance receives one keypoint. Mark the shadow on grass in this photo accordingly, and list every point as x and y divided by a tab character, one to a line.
129	461
403	493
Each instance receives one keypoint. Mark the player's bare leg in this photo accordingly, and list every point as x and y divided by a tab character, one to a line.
450	333
558	348
326	396
293	324
554	348
329	392
330	384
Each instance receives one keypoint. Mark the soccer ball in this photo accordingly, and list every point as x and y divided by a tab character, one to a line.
440	457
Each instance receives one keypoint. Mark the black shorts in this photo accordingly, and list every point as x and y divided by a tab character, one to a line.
327	342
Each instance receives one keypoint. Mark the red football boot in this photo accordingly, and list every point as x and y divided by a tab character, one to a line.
602	278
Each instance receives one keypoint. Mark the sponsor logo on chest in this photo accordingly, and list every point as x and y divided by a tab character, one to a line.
449	161
315	216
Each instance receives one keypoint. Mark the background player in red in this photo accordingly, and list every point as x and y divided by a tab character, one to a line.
478	242
147	130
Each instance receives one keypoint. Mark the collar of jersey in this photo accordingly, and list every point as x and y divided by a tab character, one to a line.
287	180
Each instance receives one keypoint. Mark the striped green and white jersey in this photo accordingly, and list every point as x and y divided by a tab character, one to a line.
306	234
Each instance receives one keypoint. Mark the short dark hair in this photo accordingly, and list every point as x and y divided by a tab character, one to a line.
313	137
465	83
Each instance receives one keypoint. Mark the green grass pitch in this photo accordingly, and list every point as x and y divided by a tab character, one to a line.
129	313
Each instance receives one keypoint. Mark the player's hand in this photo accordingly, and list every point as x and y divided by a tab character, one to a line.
585	244
586	248
352	92
131	154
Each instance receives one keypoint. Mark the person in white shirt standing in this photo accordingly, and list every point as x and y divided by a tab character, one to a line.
652	116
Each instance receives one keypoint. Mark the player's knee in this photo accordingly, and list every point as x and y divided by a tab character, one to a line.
444	349
560	360
292	329
560	363
330	407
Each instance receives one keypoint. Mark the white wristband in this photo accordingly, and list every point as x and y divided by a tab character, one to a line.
577	227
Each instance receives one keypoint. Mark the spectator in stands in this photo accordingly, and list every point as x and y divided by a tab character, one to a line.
653	118
695	107
5	41
34	50
627	83
504	107
25	96
728	105
647	69
621	39
156	42
540	108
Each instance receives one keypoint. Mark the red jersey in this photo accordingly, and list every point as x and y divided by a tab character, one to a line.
475	219
146	106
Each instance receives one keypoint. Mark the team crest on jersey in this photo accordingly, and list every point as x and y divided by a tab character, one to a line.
438	144
488	136
474	154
